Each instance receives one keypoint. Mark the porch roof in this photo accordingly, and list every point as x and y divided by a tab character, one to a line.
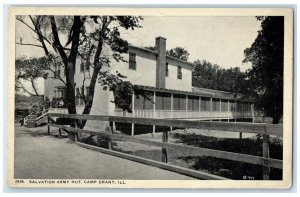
198	93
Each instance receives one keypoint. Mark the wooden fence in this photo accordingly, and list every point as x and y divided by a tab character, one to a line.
263	129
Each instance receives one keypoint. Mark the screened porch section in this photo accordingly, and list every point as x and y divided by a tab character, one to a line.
163	104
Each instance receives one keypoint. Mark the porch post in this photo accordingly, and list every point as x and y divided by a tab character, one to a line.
133	114
252	111
132	104
199	103
235	111
172	103
220	109
186	106
132	129
154	107
228	109
210	106
154	113
186	102
266	154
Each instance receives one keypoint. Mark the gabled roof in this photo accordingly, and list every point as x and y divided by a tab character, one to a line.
156	53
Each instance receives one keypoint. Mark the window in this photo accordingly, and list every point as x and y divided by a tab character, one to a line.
61	93
216	105
132	61
82	67
179	102
141	102
57	71
122	102
54	94
179	73
193	103
87	66
232	105
239	106
167	69
163	101
78	98
224	105
87	91
205	104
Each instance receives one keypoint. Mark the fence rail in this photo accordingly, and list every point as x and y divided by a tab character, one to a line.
264	129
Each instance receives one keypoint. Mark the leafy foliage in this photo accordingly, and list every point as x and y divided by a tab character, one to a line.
266	56
29	70
179	53
122	90
212	76
95	39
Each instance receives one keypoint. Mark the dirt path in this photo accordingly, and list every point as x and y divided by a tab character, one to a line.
39	156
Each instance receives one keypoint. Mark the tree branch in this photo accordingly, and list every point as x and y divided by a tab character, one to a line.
57	77
33	86
29	44
26	25
25	90
39	33
56	42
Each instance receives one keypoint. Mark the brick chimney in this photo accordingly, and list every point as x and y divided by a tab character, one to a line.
160	47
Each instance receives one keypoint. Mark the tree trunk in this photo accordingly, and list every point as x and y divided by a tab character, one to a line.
88	105
76	28
276	119
70	90
97	68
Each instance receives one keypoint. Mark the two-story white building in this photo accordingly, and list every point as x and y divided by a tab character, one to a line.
167	79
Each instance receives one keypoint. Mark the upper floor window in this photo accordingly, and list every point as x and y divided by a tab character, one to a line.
87	66
57	71
84	67
132	61
81	67
167	69
87	92
179	72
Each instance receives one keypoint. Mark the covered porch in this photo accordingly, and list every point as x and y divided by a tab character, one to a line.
172	104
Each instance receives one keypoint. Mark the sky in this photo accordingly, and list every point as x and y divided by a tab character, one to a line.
220	40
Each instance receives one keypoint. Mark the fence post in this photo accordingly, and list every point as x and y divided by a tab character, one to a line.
48	121
112	130
153	130
113	127
164	150
266	154
75	133
132	129
59	133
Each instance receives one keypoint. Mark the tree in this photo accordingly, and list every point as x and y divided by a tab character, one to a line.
212	76
28	71
177	52
266	56
86	37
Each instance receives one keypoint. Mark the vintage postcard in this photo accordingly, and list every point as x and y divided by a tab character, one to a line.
150	97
